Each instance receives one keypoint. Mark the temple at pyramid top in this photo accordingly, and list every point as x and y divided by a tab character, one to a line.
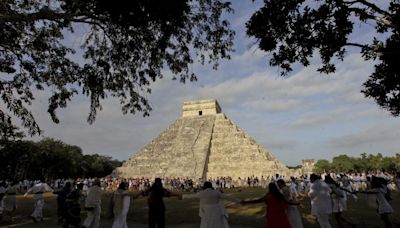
200	107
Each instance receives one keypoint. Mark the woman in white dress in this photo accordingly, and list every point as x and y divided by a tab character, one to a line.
121	199
212	211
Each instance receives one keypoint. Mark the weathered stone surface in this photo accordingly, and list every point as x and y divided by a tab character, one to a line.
203	143
200	107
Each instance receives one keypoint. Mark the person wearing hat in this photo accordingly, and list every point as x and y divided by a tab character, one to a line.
37	190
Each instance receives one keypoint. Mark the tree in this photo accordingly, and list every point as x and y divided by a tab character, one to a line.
17	160
98	166
292	30
51	159
58	159
364	163
128	45
9	132
322	166
342	163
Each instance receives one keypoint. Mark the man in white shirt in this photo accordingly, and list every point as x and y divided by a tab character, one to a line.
321	202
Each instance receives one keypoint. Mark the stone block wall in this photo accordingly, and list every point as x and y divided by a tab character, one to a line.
180	151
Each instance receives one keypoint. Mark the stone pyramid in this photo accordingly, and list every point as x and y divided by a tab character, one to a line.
203	143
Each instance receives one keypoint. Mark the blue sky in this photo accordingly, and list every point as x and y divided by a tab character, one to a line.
306	115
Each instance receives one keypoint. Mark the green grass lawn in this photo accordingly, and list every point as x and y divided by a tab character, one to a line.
181	213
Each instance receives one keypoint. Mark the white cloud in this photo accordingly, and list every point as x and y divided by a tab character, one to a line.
368	136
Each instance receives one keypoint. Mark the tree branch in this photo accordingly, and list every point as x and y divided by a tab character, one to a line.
362	12
47	14
42	14
351	2
374	7
86	21
356	45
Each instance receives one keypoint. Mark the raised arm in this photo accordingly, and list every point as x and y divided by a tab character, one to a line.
229	198
28	192
368	192
176	194
259	200
47	188
134	194
191	196
351	192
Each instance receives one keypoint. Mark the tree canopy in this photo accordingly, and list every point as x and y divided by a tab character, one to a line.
127	46
293	30
363	163
50	159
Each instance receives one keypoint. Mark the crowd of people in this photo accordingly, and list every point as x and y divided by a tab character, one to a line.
357	181
328	193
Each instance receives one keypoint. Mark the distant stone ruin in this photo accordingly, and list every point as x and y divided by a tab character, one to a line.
203	143
307	166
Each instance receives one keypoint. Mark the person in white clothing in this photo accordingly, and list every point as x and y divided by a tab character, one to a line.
10	201
293	187
379	188
93	206
345	180
321	203
339	199
290	195
121	199
211	211
37	190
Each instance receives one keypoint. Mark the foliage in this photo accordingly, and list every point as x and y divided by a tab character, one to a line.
293	30
364	163
322	166
50	159
127	46
9	131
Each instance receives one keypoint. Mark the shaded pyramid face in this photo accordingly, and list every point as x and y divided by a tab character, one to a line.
203	143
